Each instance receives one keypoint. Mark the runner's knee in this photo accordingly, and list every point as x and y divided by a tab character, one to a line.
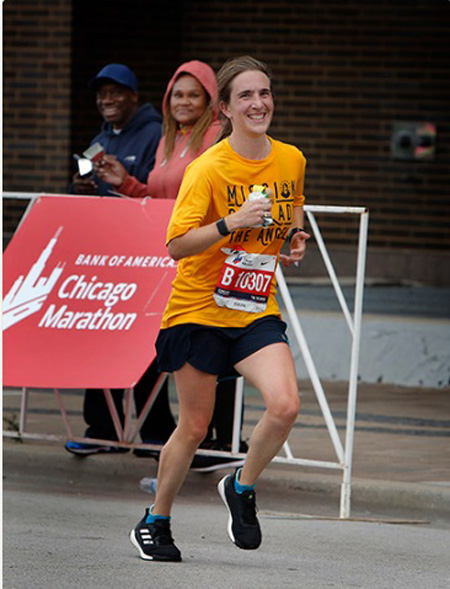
285	410
195	430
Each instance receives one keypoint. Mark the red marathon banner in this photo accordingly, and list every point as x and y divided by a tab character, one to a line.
86	280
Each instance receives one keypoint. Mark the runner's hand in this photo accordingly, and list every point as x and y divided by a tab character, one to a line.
251	214
298	248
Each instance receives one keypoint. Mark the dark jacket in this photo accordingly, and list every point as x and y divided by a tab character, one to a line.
135	146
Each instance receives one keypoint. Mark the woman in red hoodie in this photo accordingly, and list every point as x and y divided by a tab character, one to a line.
190	127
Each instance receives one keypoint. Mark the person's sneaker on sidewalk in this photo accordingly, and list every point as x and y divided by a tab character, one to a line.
147	453
84	449
154	541
202	463
243	525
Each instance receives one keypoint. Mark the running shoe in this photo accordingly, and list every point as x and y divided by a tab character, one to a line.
82	449
243	526
154	541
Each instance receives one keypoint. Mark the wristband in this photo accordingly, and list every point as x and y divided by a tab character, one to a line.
222	227
292	232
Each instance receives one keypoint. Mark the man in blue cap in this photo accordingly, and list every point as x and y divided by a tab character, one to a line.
129	132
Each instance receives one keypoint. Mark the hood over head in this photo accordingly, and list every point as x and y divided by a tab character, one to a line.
204	74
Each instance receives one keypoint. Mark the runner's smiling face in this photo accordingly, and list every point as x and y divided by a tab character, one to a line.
250	108
116	103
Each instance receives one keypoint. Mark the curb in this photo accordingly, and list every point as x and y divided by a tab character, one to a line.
27	462
429	500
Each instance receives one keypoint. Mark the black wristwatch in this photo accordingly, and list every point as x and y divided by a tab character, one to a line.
292	232
222	227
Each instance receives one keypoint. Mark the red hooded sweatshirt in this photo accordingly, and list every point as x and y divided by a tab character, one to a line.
165	178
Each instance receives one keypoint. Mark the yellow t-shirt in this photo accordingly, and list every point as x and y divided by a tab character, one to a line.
216	184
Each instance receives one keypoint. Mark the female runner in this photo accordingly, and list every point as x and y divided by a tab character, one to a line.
222	311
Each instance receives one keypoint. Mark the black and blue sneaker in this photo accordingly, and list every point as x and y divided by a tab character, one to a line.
243	526
146	452
84	449
154	541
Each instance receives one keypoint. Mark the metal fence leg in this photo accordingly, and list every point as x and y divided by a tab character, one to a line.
23	410
146	408
237	420
63	413
304	349
114	414
128	409
353	378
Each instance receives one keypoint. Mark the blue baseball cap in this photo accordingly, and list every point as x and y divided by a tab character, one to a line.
115	72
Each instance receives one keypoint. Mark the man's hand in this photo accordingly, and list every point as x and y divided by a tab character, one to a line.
83	185
110	170
298	248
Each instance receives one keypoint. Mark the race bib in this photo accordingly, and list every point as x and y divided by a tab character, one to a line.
244	283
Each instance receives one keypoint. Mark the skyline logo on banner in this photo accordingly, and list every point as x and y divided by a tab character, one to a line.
29	292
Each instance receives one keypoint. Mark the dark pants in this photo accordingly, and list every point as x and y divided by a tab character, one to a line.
159	423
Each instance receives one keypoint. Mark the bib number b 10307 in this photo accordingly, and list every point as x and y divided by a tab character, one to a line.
244	282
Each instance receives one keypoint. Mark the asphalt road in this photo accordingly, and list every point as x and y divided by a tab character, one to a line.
75	536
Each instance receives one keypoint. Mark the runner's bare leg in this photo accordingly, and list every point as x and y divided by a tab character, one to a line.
271	370
196	395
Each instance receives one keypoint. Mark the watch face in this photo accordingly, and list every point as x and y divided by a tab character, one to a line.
222	227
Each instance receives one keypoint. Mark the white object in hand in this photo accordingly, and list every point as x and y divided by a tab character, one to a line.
257	193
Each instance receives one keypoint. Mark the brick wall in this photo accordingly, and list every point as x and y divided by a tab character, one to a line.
36	107
344	73
146	36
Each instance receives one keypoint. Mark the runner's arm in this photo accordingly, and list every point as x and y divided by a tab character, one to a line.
198	239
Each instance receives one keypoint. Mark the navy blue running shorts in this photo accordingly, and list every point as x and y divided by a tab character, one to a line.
216	350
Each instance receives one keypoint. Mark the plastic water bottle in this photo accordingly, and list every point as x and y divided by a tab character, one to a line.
257	193
148	485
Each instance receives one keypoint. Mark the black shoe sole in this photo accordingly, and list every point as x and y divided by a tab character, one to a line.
142	453
93	452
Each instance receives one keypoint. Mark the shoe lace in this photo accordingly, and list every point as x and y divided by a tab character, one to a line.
162	532
249	507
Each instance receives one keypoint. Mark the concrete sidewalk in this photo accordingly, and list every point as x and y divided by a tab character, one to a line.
405	334
401	459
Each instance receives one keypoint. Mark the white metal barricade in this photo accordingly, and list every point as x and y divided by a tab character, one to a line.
344	452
